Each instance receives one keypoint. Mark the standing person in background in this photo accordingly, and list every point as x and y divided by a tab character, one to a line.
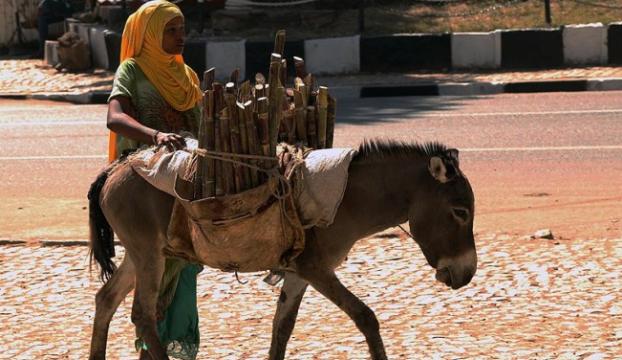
49	12
155	95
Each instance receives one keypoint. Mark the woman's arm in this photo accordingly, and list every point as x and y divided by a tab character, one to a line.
120	120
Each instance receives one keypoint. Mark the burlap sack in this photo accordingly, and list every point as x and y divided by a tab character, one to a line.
245	232
74	54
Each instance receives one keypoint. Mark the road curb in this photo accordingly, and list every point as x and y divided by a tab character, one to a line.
48	243
490	88
428	88
93	97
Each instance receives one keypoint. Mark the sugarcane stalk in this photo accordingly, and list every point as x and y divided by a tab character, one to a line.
208	78
225	143
218	166
311	127
309	81
279	42
322	114
275	116
230	88
246	176
263	125
198	175
301	120
252	139
299	65
274	72
236	147
330	121
283	72
260	91
235	77
245	91
209	184
260	79
289	120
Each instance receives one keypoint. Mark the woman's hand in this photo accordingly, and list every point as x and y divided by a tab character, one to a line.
172	141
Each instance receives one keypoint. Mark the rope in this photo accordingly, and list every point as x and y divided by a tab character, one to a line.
407	232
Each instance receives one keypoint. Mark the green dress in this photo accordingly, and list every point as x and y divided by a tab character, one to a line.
178	327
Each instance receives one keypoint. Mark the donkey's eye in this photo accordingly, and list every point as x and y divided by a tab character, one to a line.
461	214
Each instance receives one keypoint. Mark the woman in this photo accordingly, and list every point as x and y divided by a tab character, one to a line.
155	95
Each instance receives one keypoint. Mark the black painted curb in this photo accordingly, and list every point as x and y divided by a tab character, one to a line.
546	86
13	96
406	52
392	91
532	48
448	89
614	39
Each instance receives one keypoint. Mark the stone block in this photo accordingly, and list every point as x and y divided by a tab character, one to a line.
585	44
98	47
333	55
51	52
405	52
532	48
476	50
614	43
194	55
113	49
83	30
226	56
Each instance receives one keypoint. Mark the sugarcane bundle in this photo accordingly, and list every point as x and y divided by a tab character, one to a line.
245	122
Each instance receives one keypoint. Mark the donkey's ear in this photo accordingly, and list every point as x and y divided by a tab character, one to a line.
437	169
453	155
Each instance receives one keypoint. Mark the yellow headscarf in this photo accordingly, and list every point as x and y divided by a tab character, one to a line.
142	40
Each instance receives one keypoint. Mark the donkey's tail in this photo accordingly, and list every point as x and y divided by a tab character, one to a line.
101	240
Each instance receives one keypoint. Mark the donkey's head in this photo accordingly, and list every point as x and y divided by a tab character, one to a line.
441	218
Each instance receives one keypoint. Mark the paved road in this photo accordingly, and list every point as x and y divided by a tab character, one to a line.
535	160
541	160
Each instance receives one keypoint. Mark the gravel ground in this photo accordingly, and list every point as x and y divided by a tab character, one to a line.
530	299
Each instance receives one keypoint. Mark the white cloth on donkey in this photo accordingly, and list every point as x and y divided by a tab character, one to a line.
324	176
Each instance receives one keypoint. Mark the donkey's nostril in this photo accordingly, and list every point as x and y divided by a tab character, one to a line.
443	275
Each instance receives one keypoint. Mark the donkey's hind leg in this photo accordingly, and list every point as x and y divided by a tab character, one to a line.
107	300
327	283
286	312
148	277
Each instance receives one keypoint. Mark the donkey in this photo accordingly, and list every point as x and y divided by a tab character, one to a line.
389	183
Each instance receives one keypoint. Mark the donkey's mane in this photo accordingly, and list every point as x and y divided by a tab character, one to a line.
380	149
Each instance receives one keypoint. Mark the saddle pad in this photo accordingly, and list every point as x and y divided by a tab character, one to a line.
324	178
160	168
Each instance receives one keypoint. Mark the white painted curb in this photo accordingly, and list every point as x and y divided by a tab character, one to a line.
585	44
226	56
333	55
476	50
98	47
604	84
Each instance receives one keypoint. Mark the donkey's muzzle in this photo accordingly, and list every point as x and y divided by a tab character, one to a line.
458	271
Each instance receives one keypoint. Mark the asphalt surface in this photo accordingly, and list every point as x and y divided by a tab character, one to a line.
525	154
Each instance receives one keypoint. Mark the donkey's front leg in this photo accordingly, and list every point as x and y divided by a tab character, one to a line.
286	312
148	278
327	283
